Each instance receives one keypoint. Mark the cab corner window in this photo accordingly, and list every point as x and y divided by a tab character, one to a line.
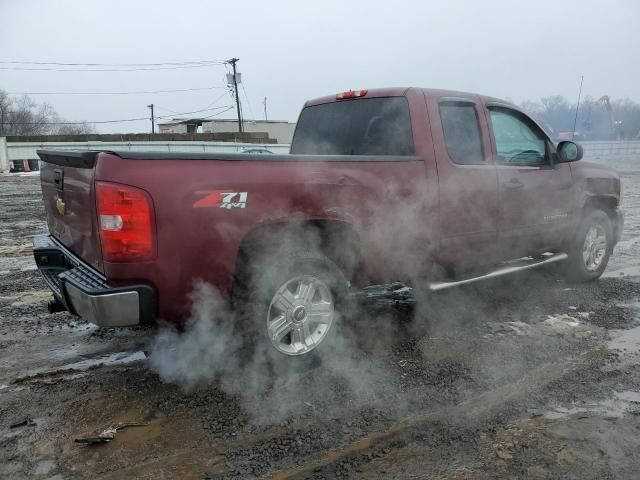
518	142
461	132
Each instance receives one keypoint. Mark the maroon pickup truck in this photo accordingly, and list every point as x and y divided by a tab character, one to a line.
398	184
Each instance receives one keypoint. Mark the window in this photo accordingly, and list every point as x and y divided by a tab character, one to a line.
518	141
366	126
461	132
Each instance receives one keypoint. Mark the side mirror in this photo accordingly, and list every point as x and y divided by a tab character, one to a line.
569	151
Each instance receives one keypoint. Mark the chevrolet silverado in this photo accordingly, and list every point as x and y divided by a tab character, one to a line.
438	187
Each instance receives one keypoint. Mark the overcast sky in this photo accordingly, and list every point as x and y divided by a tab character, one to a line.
294	50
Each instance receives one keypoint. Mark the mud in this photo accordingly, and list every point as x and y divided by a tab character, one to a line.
526	377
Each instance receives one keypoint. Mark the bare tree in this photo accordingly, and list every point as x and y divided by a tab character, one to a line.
23	116
83	128
595	120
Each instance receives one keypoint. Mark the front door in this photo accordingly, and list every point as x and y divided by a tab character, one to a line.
536	197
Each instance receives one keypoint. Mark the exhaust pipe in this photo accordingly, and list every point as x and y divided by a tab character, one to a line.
55	306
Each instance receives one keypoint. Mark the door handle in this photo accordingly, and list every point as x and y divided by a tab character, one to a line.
513	184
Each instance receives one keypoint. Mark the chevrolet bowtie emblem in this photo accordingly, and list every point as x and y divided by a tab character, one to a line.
60	205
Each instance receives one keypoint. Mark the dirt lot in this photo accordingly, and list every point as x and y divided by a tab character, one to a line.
527	377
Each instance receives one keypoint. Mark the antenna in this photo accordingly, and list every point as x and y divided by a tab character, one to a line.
575	120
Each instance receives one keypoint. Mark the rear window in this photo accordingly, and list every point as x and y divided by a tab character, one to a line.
366	126
461	132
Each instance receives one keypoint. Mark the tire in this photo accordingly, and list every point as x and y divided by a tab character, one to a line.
591	249
290	306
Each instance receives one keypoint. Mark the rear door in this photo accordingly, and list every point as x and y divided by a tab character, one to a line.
467	182
537	200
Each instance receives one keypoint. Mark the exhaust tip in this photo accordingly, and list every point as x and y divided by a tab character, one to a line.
55	306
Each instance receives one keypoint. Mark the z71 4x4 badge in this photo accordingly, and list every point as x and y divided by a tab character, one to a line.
221	199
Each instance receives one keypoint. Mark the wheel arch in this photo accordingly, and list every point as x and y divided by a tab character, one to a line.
606	203
336	239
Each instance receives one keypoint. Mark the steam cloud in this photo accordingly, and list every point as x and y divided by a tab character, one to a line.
271	387
211	350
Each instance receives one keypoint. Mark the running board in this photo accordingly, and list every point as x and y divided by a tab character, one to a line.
518	266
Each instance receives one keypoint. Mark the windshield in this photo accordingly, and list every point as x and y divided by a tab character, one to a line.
368	126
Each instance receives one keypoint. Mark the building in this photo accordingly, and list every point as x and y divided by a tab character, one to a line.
181	125
279	130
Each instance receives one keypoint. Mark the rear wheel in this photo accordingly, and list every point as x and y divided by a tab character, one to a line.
592	247
291	306
300	314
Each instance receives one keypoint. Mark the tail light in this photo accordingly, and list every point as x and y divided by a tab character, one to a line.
351	94
125	219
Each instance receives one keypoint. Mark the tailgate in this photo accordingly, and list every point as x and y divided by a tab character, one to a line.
67	184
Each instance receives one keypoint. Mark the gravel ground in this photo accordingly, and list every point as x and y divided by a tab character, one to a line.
525	377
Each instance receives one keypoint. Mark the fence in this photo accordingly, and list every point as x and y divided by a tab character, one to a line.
620	150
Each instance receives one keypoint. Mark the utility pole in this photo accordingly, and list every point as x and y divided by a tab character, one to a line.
153	120
235	86
264	102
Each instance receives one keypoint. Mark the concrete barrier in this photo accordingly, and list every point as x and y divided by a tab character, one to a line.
4	155
10	151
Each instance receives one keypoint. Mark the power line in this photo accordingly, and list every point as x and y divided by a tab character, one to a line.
194	111
117	93
116	121
231	107
219	62
207	108
40	69
75	123
167	109
248	102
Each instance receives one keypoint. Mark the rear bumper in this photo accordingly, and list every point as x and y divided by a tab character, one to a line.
84	292
618	225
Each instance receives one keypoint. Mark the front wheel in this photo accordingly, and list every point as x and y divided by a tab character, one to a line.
592	247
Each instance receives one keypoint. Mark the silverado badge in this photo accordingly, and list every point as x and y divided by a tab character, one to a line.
60	205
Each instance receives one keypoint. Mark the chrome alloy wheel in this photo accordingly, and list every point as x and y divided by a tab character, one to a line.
300	315
594	248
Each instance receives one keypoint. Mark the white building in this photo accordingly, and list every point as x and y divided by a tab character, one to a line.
181	125
279	130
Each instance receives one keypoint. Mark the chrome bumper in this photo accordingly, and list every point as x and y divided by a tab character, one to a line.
84	292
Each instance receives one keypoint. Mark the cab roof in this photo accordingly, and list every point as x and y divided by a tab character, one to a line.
402	91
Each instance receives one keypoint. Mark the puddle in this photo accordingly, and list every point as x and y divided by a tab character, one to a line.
629	271
616	407
627	341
